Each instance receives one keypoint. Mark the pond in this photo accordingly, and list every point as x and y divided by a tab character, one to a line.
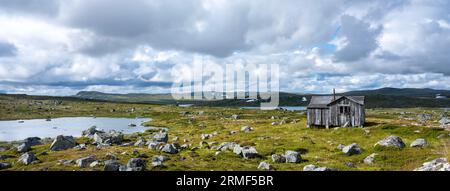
20	129
289	108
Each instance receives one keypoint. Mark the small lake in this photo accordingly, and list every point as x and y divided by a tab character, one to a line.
289	108
14	130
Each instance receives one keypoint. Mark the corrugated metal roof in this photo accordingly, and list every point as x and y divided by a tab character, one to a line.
324	101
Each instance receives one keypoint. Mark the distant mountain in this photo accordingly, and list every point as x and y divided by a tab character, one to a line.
379	98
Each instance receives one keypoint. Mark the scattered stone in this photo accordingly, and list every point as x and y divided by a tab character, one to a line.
136	164
127	144
184	147
340	147
4	165
154	145
24	147
111	156
312	167
278	158
292	157
203	144
161	137
264	166
370	159
33	141
352	149
419	143
249	152
440	164
350	164
175	139
91	132
246	129
206	136
95	164
80	147
27	158
140	143
391	141
232	132
275	123
63	143
444	121
112	137
84	162
226	146
235	116
66	162
113	165
158	160
169	148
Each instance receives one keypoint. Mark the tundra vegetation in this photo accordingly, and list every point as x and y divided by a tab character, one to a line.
229	138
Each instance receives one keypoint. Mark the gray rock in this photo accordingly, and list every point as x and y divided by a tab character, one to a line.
235	116
370	159
136	164
352	149
112	137
264	166
226	146
444	121
84	162
246	129
63	143
80	147
113	165
140	143
292	157
419	143
161	137
4	165
158	160
111	156
154	145
278	158
440	164
24	147
316	168
206	136
249	152
237	150
340	146
33	141
169	148
95	164
391	141
27	158
91	132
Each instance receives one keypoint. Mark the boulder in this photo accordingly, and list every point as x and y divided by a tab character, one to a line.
249	152
292	157
440	164
63	143
91	132
80	147
237	149
264	166
139	143
246	129
370	159
112	137
391	141
4	165
161	137
278	158
235	116
27	158
340	147
33	141
24	147
226	146
155	145
419	143
84	162
444	121
158	160
352	149
113	165
169	148
136	164
316	168
206	136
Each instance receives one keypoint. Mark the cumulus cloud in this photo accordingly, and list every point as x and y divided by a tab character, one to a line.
67	46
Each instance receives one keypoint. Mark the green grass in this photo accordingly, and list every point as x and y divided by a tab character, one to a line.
318	146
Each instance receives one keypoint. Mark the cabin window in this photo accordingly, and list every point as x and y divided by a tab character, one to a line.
344	110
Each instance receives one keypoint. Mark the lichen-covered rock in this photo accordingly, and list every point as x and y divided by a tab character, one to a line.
419	143
113	165
27	158
292	157
91	132
84	162
264	166
161	137
24	147
440	164
278	158
249	152
63	143
352	149
136	164
370	159
169	148
226	146
246	129
391	141
312	167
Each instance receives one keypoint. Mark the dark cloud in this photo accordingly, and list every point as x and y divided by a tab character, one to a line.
7	49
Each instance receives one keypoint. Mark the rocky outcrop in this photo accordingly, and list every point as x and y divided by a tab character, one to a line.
391	141
113	165
63	143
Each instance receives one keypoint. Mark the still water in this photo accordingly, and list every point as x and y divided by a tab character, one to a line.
21	129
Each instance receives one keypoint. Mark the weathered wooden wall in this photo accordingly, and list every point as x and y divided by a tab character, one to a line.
332	117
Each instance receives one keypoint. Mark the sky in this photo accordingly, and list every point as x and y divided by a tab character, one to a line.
60	47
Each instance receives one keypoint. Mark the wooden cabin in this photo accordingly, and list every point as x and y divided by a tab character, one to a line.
335	111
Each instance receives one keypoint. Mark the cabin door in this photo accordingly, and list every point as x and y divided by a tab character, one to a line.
344	116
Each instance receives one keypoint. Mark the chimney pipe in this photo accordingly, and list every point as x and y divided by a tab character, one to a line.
334	94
